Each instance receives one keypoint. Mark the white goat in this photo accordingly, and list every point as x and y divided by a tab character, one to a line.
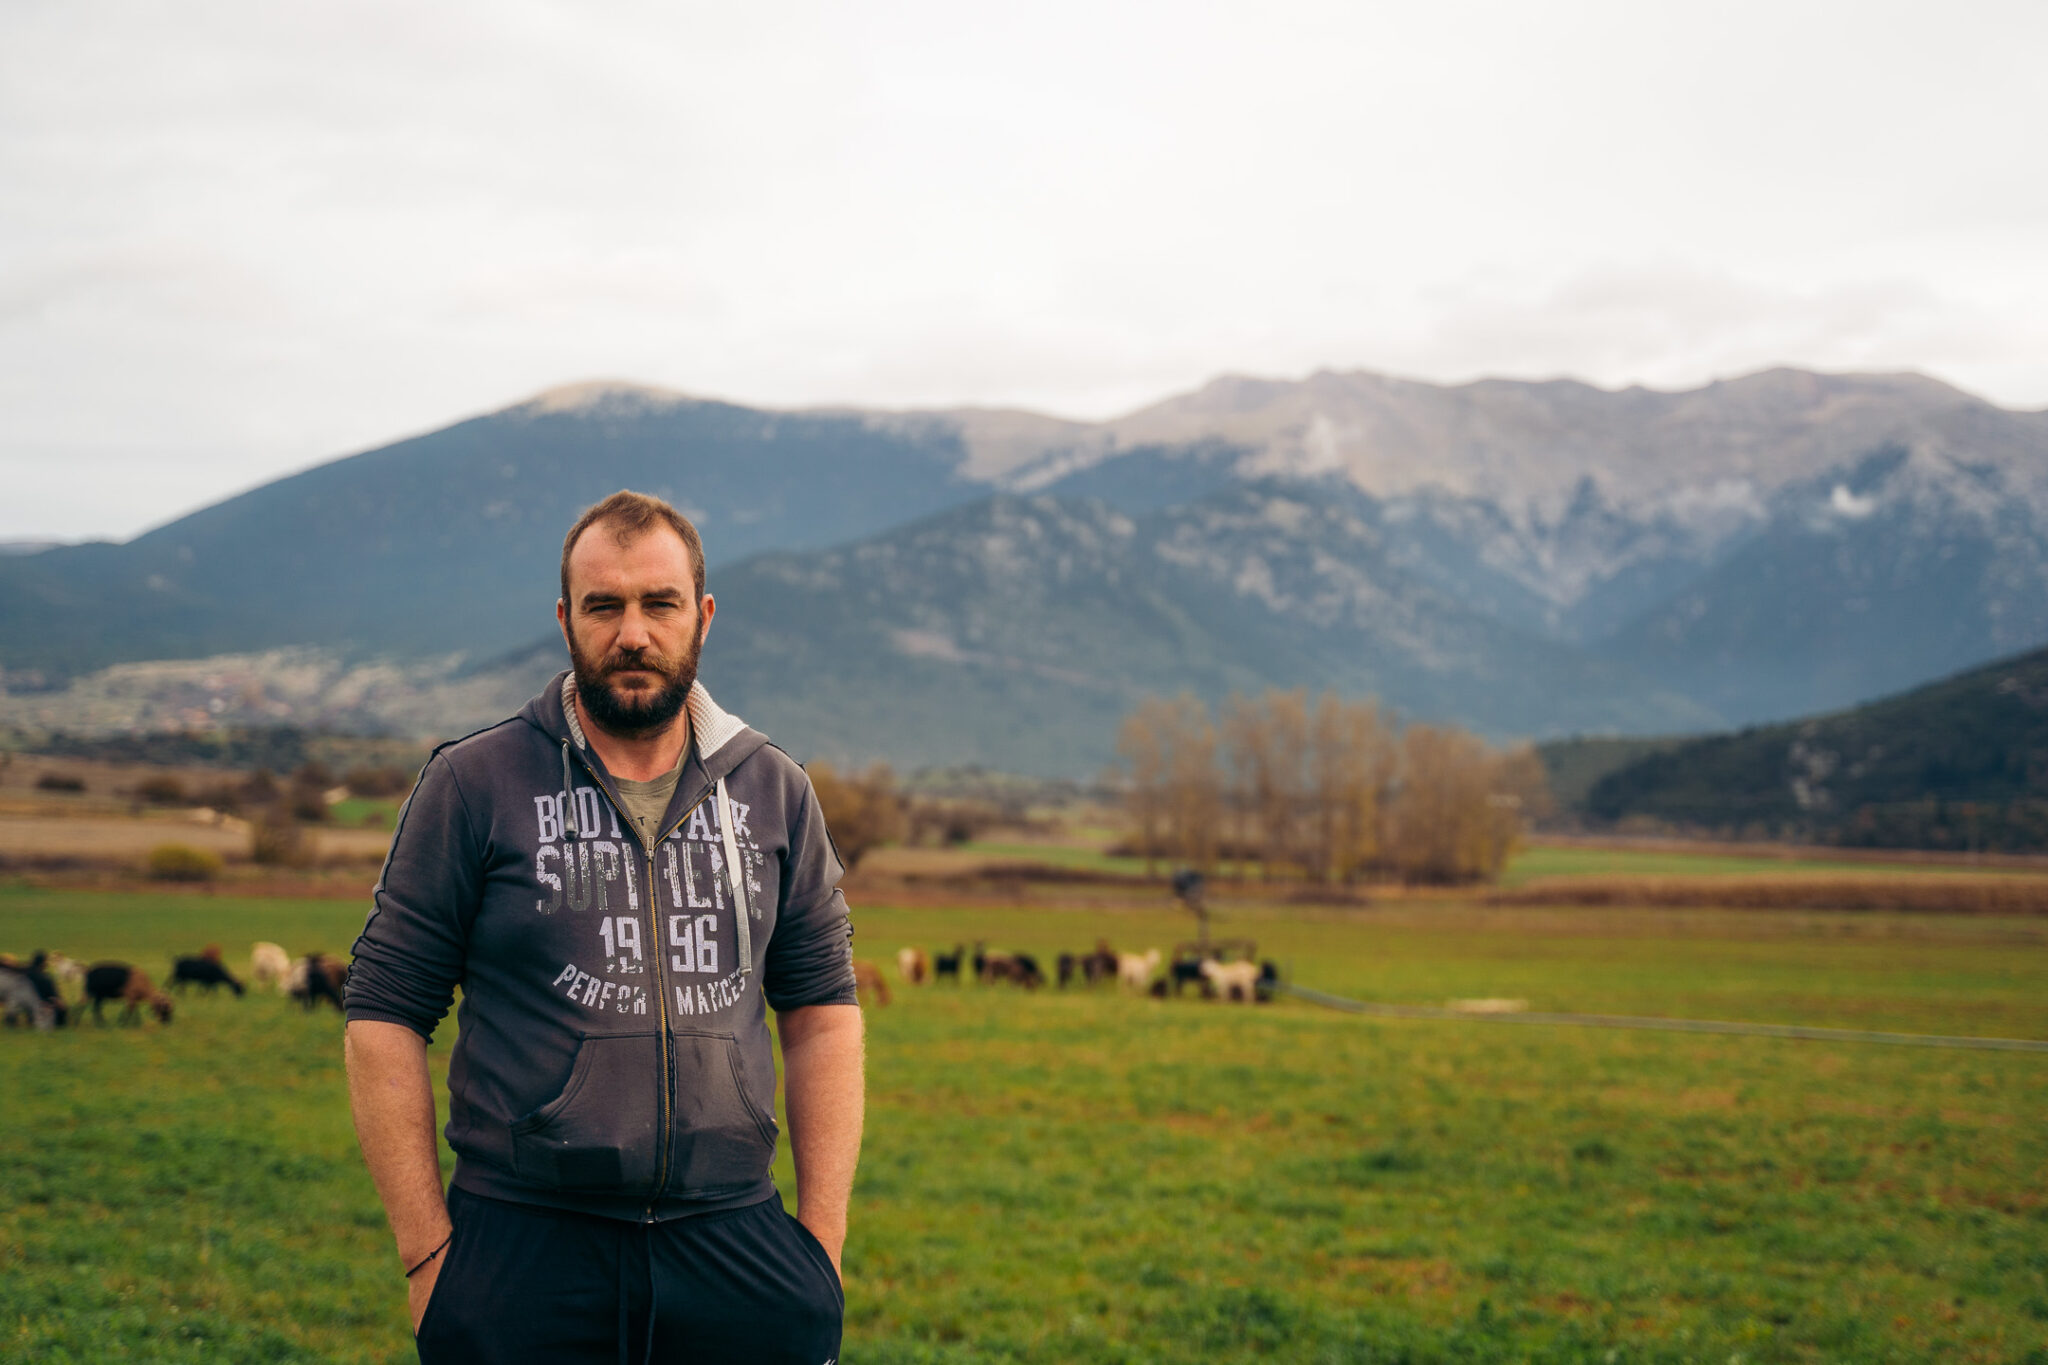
1134	970
66	971
269	963
1233	980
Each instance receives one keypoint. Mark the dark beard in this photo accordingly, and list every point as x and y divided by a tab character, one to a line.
638	715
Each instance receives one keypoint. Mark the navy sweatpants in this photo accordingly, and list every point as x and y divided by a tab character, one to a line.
522	1283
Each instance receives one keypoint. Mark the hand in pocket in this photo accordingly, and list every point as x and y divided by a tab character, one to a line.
420	1288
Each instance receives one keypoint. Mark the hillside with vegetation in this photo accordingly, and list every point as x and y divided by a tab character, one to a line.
1961	764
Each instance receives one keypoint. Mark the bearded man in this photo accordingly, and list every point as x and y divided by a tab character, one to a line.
620	878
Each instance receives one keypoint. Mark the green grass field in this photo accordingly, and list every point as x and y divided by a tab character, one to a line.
1531	863
1562	860
1072	1177
377	811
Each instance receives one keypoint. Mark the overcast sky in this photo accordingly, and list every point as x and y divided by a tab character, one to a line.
237	238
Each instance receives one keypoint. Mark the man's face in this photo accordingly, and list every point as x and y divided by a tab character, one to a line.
634	628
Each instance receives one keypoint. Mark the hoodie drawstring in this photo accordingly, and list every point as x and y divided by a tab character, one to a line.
568	795
736	873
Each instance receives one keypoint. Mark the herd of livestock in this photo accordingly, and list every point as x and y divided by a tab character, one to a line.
49	990
1197	965
34	991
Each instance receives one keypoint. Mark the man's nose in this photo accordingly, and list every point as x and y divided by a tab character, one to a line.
633	629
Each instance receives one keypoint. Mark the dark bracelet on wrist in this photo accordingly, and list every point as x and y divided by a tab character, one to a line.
432	1254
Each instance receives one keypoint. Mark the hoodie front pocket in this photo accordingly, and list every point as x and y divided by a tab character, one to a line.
722	1140
603	1130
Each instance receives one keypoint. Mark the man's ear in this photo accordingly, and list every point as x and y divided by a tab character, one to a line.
707	607
562	619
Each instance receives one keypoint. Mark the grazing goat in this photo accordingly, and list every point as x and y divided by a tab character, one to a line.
1021	968
269	964
106	981
68	971
868	980
1188	973
21	1002
914	965
316	977
1233	980
203	971
948	964
37	972
1100	965
1134	970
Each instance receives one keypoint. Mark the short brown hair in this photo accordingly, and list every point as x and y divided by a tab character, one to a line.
629	515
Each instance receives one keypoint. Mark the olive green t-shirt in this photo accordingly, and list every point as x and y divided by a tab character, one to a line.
647	802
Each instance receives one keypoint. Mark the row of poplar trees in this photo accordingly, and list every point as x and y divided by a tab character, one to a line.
1328	791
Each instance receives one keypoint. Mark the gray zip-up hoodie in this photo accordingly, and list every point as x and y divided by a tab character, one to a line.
613	1054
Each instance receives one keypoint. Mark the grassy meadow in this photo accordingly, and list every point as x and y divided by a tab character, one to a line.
1091	1178
1536	861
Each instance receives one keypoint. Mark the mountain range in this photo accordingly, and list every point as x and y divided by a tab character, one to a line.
973	585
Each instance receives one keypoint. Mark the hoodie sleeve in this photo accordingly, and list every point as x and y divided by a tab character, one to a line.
410	956
810	958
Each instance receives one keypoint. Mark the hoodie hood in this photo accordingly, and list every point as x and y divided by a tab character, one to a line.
720	740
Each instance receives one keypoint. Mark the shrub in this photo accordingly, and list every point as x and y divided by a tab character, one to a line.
183	863
951	822
161	789
308	803
275	840
307	795
60	782
226	796
378	781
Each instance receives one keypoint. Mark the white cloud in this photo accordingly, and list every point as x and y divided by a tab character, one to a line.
1844	503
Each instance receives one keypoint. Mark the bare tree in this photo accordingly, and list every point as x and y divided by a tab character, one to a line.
863	810
1457	816
1351	762
1194	793
1143	748
1329	793
1268	742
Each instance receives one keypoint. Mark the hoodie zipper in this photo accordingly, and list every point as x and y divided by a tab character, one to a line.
668	1070
659	948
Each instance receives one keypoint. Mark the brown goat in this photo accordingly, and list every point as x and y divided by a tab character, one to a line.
106	981
867	980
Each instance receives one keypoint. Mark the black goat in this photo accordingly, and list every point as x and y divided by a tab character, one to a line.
1099	965
1186	973
316	977
202	971
106	981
